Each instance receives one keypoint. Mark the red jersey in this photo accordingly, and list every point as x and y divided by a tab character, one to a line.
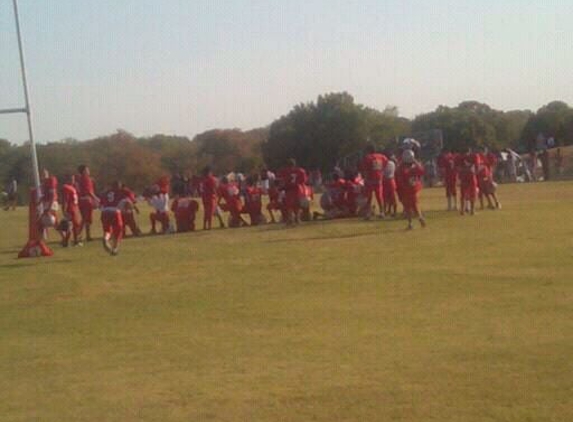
164	184
85	185
50	189
372	168
230	193
410	176
111	198
69	198
208	187
354	189
184	208
292	178
467	164
447	164
253	197
490	160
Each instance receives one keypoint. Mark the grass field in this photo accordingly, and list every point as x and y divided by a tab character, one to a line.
470	319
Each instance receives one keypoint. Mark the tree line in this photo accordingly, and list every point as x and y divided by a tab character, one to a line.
316	134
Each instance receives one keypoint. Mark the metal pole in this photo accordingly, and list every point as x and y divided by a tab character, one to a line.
27	100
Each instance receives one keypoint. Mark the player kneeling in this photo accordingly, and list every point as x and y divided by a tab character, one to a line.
185	210
253	201
111	219
333	200
410	173
159	201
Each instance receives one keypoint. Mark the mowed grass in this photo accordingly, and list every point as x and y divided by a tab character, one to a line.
470	319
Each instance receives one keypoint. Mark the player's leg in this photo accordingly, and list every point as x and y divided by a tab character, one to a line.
164	219
76	228
270	207
379	194
107	224
417	210
117	232
153	219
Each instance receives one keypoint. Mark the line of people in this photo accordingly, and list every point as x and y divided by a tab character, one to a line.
380	180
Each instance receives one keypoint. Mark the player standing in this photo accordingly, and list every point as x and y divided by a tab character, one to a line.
72	224
111	219
293	180
410	173
372	168
487	186
253	201
87	199
49	202
208	189
467	165
276	200
447	166
389	186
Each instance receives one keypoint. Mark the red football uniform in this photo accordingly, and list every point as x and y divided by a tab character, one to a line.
372	168
293	181
128	196
467	165
410	177
111	217
233	204
254	204
85	187
184	210
71	209
208	189
447	164
354	195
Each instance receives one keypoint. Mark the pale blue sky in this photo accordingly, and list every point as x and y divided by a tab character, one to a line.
185	66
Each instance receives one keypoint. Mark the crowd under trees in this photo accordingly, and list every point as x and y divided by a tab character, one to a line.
316	133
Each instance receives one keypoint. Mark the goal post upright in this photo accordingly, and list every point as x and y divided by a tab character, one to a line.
35	246
27	109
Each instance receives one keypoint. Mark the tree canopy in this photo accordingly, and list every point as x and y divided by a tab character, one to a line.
317	134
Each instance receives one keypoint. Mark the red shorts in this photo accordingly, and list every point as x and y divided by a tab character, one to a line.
486	185
292	201
469	192
86	210
389	191
209	207
450	184
73	214
410	201
112	222
376	189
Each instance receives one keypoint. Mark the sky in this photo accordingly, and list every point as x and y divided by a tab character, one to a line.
186	66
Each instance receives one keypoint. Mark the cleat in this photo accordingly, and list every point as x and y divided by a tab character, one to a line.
106	244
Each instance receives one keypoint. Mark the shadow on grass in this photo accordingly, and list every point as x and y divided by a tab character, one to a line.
10	252
30	262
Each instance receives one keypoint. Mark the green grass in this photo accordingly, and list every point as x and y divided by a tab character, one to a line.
470	319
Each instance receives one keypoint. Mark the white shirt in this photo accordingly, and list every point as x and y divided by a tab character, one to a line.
389	170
